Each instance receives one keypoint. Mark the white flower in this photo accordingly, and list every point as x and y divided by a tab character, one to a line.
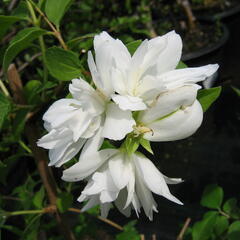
115	177
70	122
134	82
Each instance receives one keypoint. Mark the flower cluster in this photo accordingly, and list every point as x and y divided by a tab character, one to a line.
137	98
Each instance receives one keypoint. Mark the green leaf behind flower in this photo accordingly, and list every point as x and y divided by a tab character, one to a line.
208	96
62	64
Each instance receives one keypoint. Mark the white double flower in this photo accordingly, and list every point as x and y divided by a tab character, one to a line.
166	109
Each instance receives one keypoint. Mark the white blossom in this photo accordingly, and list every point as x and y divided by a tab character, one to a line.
117	177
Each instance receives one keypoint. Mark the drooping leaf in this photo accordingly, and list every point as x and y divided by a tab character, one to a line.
208	96
221	225
132	46
234	231
21	41
203	230
230	207
237	90
62	64
6	22
38	198
146	144
5	108
129	232
56	10
212	197
64	201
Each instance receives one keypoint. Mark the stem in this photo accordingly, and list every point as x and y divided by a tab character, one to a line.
24	212
25	147
190	16
31	131
57	33
223	213
4	89
184	228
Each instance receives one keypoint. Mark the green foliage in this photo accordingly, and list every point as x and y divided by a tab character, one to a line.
146	145
64	201
21	41
132	46
5	106
56	10
208	96
62	64
129	232
212	197
181	65
6	22
38	198
223	223
237	90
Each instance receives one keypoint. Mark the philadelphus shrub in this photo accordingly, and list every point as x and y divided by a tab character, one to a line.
137	99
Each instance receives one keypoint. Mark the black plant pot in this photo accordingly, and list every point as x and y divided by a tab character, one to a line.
209	54
223	15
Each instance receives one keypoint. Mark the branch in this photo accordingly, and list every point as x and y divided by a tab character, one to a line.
184	228
190	16
39	154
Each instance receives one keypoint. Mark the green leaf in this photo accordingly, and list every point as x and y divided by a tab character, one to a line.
132	46
55	10
234	231
230	207
131	144
207	96
2	165
237	90
106	144
38	198
64	201
6	22
21	41
5	106
146	144
221	225
21	11
129	232
203	230
19	123
212	196
62	64
31	91
181	65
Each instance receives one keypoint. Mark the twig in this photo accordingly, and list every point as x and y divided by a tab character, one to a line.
184	228
56	32
113	224
12	5
24	65
154	237
142	237
190	16
39	154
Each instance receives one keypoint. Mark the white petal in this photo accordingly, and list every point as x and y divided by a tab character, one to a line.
93	201
55	138
118	122
91	102
105	207
94	72
179	125
170	56
63	154
153	179
180	77
145	197
87	165
120	167
128	102
120	203
172	180
61	111
168	102
93	144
